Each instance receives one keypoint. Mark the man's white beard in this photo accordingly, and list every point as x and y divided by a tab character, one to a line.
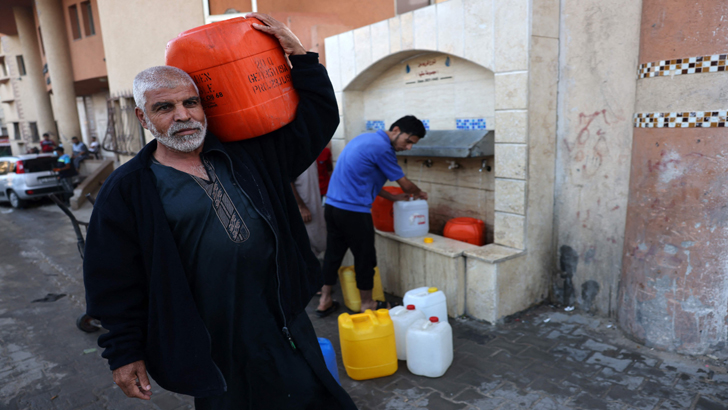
182	143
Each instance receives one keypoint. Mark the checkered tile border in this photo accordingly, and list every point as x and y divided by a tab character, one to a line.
692	65
470	123
375	125
693	119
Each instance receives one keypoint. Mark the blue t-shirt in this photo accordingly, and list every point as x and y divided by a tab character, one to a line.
364	166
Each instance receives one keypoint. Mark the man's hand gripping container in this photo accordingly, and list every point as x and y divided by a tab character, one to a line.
242	74
352	298
367	344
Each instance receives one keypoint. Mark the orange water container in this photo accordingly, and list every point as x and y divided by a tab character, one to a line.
383	210
465	229
242	74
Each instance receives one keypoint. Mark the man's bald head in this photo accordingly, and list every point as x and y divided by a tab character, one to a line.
158	77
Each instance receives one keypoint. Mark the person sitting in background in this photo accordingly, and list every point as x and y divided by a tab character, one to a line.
80	152
66	171
47	145
94	148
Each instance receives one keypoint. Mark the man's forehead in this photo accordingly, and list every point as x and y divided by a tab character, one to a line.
179	92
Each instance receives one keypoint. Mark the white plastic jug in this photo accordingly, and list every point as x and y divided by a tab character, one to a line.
431	301
429	347
403	318
411	218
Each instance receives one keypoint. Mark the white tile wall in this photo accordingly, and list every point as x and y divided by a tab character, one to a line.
450	34
333	61
425	22
363	48
509	230
486	33
511	91
479	32
511	35
470	94
546	15
340	101
407	27
380	40
511	126
395	35
510	196
511	160
347	58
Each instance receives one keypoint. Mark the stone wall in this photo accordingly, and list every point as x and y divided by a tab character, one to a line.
599	44
518	42
443	91
490	41
674	288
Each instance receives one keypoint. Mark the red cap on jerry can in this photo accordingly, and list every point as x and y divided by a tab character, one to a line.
410	307
433	319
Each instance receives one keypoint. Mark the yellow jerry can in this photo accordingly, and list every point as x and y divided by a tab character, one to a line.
352	299
368	348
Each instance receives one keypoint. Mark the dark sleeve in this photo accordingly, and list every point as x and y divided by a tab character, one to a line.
116	288
317	116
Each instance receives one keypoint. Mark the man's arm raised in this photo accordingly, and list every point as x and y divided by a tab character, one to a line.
317	116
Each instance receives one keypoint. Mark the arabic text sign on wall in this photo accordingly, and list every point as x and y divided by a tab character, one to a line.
428	69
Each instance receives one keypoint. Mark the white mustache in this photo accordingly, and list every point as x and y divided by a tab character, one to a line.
179	126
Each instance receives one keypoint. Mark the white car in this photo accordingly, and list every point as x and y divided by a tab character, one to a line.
27	177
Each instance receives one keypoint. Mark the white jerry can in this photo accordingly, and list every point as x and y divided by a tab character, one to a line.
429	347
431	301
403	318
411	218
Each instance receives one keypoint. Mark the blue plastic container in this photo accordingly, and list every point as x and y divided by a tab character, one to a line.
330	357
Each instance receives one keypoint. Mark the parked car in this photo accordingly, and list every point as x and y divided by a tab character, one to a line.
27	177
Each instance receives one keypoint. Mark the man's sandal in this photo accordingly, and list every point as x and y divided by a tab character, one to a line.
323	313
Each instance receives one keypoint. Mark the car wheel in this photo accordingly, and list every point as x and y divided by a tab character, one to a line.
15	200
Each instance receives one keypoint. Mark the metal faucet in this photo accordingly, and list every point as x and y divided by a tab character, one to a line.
427	163
484	166
453	165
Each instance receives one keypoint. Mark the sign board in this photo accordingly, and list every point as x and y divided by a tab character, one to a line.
428	69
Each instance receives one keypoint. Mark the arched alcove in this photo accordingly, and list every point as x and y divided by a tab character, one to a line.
447	93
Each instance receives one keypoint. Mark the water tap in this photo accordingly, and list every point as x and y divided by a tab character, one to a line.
453	165
427	163
484	166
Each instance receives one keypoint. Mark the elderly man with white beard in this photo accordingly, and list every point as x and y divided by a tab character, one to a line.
197	261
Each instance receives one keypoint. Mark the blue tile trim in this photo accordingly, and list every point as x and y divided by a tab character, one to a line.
470	123
375	125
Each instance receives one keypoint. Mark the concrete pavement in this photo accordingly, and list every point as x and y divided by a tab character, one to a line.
543	359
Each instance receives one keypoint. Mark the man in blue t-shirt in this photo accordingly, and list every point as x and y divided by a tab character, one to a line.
364	166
